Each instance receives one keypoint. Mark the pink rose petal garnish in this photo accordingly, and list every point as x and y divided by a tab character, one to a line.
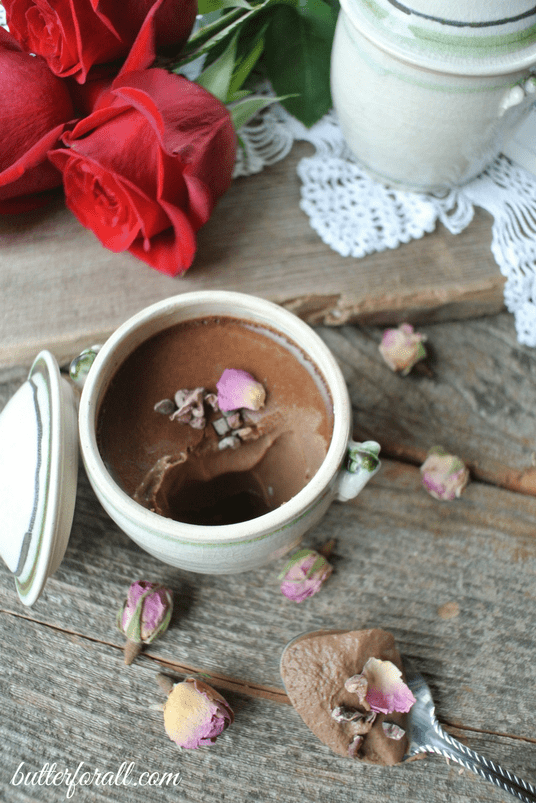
237	388
386	691
444	475
403	347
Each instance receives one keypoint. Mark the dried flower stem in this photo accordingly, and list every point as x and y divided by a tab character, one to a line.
131	649
326	549
165	683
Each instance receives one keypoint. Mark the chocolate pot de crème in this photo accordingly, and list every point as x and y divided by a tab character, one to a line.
185	472
348	687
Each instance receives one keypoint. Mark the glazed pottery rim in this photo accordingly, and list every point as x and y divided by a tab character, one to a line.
191	306
510	63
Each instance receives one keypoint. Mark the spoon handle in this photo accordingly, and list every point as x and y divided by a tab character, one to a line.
451	748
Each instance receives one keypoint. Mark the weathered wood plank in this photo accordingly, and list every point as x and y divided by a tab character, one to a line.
400	557
478	402
61	289
67	700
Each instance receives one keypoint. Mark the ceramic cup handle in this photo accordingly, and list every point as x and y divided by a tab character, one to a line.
517	94
362	463
79	368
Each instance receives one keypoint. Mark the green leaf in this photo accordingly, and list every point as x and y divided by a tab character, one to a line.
245	66
207	6
208	35
242	93
244	110
297	57
217	77
211	35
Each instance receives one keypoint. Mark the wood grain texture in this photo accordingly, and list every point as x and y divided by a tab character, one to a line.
476	398
454	582
89	708
61	289
400	555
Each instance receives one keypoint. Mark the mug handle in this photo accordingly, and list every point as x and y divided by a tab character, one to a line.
517	94
79	368
362	463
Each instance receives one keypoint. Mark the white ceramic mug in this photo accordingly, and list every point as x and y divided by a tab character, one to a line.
228	548
428	91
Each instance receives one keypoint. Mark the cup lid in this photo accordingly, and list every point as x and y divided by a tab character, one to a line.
484	37
38	474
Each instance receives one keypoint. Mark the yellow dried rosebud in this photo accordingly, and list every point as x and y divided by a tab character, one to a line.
195	714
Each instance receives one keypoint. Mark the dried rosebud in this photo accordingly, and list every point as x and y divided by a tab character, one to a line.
403	347
393	731
238	389
385	690
195	714
144	615
304	575
444	475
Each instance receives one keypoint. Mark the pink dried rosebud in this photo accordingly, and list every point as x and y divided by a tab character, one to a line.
444	475
195	714
304	575
385	690
238	389
403	347
144	615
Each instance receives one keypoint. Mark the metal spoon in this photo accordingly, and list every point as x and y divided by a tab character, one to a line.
427	736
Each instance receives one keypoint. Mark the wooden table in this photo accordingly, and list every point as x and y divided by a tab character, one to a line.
454	582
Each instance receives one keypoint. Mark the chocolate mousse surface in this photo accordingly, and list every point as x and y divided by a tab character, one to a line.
314	668
181	472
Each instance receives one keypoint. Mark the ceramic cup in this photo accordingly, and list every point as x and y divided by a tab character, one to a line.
428	91
229	548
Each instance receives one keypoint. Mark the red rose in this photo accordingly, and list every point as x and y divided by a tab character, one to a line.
146	167
74	35
34	106
174	19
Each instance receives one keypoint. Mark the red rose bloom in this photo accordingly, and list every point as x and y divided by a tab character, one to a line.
146	167
74	35
34	107
173	23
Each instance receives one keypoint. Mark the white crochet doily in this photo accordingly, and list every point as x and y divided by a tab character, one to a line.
355	215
